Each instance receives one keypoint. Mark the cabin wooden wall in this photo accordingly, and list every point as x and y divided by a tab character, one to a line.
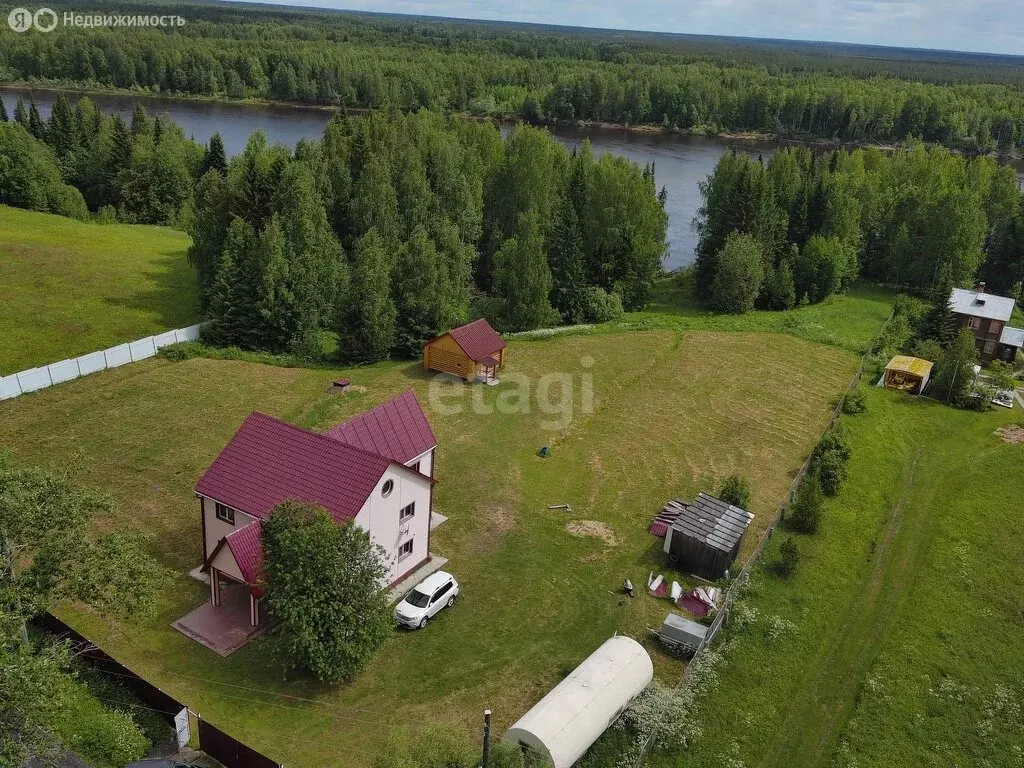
443	354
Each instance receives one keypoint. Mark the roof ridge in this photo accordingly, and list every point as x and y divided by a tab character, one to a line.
323	436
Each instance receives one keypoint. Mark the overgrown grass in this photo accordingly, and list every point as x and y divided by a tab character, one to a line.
849	321
897	641
674	413
69	287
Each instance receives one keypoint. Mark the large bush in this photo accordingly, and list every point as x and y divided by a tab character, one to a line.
828	462
740	274
805	513
30	177
324	586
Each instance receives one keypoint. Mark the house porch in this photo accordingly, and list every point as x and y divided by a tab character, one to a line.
226	626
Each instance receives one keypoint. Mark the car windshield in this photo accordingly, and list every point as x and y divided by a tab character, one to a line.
417	598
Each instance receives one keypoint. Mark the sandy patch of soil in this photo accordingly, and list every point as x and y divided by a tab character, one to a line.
592	528
1011	433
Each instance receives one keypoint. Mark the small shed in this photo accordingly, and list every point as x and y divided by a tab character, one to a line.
702	537
910	374
574	714
468	351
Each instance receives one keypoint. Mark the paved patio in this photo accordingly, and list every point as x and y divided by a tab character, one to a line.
224	628
435	563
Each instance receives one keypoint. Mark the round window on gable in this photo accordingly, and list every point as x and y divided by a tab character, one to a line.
387	488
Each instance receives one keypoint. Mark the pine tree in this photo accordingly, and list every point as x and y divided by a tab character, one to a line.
368	329
3	112
214	157
20	114
158	130
522	278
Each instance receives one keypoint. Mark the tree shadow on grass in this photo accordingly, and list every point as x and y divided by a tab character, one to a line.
174	301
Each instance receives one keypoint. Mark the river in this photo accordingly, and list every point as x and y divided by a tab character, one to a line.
680	162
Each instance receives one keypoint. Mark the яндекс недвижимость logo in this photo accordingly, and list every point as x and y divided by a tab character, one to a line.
46	20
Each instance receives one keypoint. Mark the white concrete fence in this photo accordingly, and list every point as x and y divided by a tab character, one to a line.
56	373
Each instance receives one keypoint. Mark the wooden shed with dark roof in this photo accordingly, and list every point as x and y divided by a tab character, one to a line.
468	351
702	537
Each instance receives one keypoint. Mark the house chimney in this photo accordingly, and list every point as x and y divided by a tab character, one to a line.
980	288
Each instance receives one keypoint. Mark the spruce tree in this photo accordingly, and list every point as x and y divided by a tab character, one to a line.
522	278
565	257
234	299
215	158
36	126
275	301
367	333
20	114
417	292
3	112
63	130
940	322
140	120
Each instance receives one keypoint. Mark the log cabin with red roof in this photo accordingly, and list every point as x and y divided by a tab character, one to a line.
375	470
470	351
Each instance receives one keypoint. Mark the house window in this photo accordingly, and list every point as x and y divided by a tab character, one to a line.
407	512
225	513
405	550
388	487
990	347
415	467
974	323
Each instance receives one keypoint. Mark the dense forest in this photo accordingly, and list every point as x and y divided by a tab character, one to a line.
391	229
803	226
539	73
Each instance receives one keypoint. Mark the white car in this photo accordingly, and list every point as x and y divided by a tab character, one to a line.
423	601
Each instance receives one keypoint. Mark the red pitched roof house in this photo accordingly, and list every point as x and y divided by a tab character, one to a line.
470	351
375	470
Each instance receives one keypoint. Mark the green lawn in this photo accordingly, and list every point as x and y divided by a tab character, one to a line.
69	287
849	320
905	643
675	413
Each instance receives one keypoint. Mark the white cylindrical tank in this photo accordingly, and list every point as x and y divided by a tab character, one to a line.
575	713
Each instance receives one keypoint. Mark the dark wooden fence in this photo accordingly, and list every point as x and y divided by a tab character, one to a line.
149	694
228	750
213	741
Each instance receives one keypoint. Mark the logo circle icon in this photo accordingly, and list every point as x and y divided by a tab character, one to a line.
20	19
45	19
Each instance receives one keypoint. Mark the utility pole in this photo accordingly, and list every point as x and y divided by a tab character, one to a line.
487	739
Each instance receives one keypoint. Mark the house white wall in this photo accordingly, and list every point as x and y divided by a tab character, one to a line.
379	517
217	529
426	462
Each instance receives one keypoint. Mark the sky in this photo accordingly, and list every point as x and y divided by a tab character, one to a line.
993	26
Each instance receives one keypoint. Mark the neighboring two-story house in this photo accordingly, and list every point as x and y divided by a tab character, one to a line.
375	470
988	316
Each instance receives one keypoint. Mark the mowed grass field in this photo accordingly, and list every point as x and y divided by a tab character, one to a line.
674	412
905	643
69	287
